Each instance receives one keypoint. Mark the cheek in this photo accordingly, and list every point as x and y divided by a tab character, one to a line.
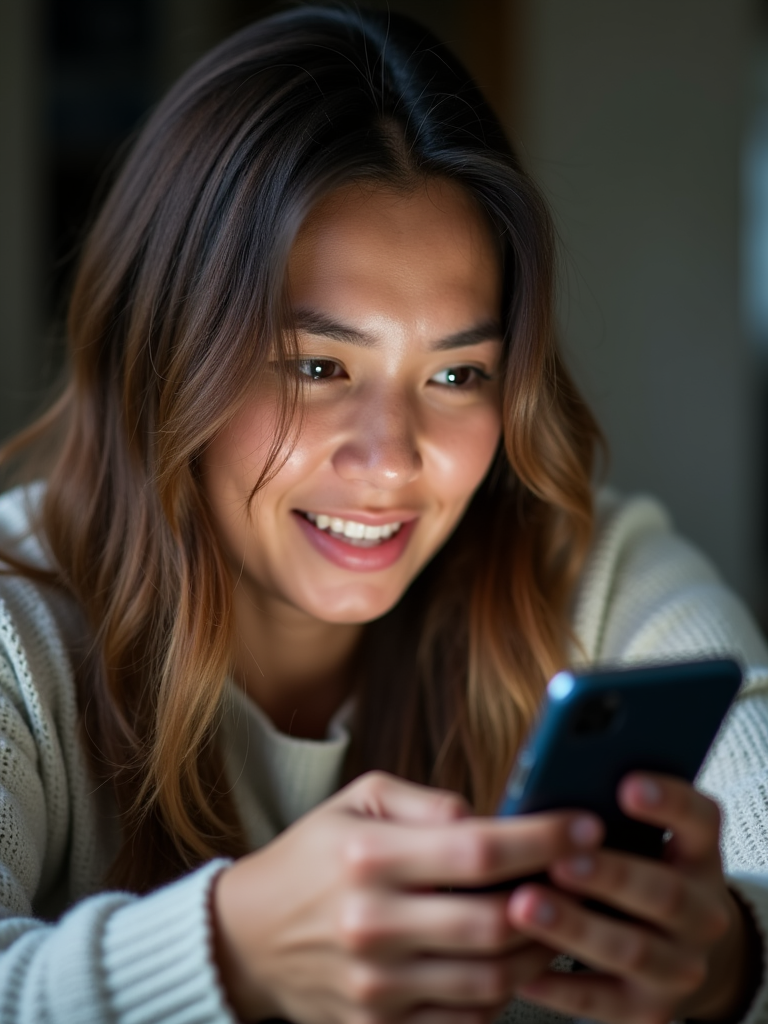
237	455
461	454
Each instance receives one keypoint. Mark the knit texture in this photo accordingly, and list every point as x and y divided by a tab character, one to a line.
73	954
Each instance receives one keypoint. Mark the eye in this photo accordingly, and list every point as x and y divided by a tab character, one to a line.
459	376
318	369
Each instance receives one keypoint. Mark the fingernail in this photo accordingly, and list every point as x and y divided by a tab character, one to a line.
580	866
650	791
585	831
544	913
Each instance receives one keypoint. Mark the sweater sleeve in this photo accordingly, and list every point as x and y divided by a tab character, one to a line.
113	957
116	958
736	775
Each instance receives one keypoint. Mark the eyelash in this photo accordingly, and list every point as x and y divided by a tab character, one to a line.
316	364
316	367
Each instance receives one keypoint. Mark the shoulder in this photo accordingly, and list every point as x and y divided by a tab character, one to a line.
39	626
46	817
646	593
19	509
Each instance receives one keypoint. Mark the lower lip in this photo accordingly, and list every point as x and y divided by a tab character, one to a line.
347	556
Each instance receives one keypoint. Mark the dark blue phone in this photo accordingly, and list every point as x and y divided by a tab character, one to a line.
596	726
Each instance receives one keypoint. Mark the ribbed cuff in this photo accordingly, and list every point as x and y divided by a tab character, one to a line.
54	972
158	959
753	893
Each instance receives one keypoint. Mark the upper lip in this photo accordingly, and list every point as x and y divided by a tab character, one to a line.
368	518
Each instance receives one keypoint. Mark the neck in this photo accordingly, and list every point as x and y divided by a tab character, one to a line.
297	669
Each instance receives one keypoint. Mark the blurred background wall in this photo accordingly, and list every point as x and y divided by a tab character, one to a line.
646	124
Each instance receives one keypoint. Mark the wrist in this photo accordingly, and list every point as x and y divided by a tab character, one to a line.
229	914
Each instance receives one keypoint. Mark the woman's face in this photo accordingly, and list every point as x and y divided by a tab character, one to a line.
397	301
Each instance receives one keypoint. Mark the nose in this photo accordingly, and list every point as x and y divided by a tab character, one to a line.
379	446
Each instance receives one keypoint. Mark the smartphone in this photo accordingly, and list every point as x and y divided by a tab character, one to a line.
596	726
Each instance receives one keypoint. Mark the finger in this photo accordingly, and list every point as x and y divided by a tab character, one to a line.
379	921
379	795
674	804
469	853
653	892
438	981
624	949
449	1015
595	997
480	983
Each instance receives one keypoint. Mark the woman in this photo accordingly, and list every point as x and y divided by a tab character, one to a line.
317	500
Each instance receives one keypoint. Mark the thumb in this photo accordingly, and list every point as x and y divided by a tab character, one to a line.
379	795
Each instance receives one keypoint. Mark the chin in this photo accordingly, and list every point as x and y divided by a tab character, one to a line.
351	609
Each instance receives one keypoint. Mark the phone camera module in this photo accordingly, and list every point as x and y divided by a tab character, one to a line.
596	714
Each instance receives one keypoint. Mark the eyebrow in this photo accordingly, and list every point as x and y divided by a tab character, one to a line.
312	322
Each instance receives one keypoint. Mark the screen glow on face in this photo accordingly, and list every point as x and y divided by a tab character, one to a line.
396	301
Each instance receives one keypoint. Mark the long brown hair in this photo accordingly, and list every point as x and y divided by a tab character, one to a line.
177	304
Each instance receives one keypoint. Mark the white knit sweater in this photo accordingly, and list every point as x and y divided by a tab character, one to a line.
73	954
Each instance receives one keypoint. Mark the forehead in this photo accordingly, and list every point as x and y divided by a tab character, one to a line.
431	247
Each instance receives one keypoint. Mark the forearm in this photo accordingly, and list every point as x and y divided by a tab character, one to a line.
114	958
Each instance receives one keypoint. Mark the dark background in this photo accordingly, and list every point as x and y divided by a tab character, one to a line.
645	122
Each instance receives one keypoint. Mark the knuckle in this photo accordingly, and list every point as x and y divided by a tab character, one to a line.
492	984
359	856
492	929
359	925
366	985
374	784
671	896
476	854
452	805
633	952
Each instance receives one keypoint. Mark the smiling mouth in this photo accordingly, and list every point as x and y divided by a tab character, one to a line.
359	535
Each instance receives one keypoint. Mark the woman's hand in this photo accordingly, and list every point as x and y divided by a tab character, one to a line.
690	956
345	917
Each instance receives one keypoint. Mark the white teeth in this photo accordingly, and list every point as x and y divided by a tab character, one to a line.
351	528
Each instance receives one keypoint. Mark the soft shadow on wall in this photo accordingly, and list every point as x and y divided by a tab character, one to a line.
754	252
634	124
